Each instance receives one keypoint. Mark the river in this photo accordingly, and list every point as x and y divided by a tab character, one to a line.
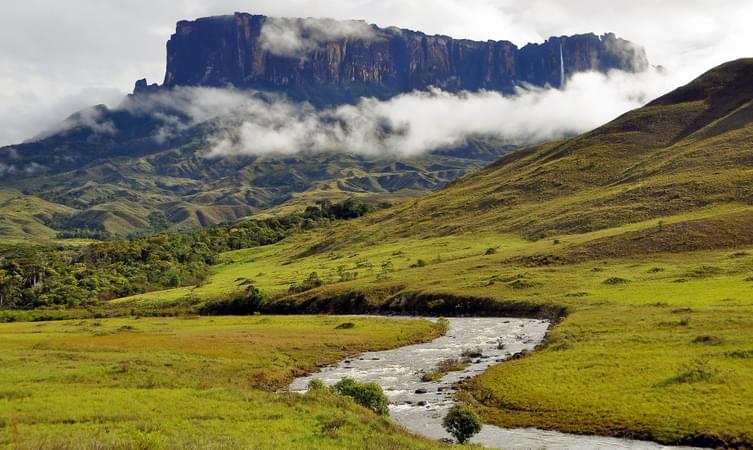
420	406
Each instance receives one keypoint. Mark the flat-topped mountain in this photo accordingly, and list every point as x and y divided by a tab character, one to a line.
328	61
111	169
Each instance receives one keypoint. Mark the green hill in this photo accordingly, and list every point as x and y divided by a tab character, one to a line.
26	218
688	150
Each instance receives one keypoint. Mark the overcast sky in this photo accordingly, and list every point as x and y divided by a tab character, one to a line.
60	56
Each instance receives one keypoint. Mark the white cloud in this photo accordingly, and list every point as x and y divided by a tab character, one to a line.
78	52
407	125
295	36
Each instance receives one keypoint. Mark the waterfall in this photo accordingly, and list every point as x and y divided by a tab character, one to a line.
562	68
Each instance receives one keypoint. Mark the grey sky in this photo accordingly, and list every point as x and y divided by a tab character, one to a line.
60	56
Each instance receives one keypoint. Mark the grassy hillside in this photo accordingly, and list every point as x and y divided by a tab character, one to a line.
636	236
189	383
23	218
688	150
113	183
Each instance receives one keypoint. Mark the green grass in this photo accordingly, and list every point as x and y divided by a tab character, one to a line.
614	366
657	372
189	383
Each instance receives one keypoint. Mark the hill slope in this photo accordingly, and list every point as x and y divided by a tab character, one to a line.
690	149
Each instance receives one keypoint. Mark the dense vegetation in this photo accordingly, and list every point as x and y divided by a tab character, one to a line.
34	277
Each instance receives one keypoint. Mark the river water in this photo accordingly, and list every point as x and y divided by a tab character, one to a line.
420	406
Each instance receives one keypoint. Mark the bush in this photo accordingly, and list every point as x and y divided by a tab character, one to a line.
316	385
312	282
345	326
462	422
246	303
474	352
369	395
491	251
444	367
444	323
697	371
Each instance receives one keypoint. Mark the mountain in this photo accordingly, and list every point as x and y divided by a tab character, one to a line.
150	159
327	61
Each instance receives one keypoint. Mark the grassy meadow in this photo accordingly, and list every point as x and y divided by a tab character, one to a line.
189	382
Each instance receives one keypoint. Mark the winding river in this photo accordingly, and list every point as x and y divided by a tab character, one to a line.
420	406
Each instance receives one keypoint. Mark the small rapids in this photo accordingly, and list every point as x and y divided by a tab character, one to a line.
420	406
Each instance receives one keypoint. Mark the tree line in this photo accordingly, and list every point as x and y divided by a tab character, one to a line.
36	277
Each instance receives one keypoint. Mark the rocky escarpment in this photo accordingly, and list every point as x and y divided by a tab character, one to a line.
330	61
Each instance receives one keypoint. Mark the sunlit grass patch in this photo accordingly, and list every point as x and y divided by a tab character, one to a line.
188	382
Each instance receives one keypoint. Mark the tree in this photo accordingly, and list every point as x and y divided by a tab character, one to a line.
369	395
158	221
462	422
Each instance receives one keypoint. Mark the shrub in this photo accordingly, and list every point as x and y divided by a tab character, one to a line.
246	303
345	326
521	284
316	385
491	251
616	281
369	395
444	323
444	367
387	269
462	423
475	352
709	340
697	371
312	282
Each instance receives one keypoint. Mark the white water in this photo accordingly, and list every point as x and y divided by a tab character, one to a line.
562	69
420	406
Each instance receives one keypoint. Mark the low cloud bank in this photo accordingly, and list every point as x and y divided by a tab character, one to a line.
248	123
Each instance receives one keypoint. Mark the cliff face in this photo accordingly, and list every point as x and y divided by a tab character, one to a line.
329	61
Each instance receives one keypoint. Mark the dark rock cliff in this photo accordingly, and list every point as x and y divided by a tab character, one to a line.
329	61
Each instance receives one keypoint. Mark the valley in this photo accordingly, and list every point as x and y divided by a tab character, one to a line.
206	264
